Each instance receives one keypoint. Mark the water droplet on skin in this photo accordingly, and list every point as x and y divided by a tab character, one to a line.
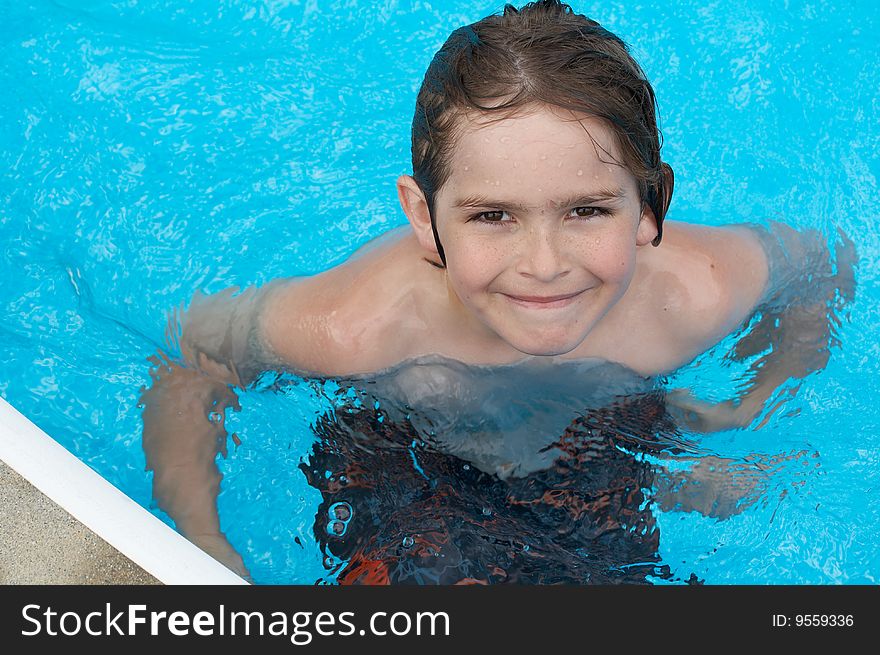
543	157
515	165
466	467
559	165
580	172
487	511
467	168
215	417
504	139
408	542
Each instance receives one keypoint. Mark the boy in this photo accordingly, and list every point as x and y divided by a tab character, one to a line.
535	208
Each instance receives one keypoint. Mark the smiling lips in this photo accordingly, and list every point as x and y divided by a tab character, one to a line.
545	302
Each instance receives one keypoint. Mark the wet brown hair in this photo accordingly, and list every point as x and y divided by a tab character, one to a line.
543	53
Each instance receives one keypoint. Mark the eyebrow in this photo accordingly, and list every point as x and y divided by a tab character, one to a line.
575	200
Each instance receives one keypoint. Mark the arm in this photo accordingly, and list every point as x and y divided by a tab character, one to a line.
793	336
181	444
184	409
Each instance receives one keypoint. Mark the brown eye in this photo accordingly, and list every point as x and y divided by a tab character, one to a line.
492	217
589	212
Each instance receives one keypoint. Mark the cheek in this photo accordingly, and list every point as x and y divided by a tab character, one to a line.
613	258
621	268
473	267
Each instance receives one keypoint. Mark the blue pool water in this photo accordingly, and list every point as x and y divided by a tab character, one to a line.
152	149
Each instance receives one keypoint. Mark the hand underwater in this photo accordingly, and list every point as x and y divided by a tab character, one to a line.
701	416
218	547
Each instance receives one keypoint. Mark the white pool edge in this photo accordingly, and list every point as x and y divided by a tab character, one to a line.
101	507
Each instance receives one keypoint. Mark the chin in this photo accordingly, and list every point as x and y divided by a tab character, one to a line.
545	347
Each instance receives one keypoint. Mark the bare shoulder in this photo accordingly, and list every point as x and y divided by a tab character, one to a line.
707	281
725	265
353	318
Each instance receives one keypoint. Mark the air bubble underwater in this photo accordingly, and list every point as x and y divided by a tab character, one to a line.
336	528
340	515
341	511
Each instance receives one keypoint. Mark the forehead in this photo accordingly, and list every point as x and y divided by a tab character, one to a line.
543	149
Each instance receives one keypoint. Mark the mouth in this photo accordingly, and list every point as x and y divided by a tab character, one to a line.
545	302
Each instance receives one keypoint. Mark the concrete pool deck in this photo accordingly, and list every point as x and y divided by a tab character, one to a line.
62	523
40	543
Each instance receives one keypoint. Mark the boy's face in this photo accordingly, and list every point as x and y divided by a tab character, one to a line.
540	227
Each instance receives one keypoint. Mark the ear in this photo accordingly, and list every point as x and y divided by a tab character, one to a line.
647	230
415	206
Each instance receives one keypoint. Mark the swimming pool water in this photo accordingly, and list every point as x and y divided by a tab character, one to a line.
150	150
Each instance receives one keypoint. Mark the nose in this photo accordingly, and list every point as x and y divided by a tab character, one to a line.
542	255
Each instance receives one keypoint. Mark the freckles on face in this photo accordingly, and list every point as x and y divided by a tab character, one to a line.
535	159
533	167
536	208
